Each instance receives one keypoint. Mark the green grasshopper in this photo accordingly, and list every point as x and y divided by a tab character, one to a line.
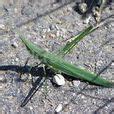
55	62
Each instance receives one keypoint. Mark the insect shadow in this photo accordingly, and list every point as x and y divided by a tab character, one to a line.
35	72
39	71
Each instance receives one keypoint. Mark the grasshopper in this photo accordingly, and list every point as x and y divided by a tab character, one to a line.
56	61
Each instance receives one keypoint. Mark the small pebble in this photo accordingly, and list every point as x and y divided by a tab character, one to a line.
58	108
82	96
30	77
99	63
57	28
48	30
2	79
15	10
24	77
14	44
87	20
112	64
2	26
59	79
57	33
96	13
52	27
69	8
52	35
31	108
16	59
43	36
76	83
83	7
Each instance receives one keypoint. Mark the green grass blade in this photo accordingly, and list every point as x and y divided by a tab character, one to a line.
60	64
70	45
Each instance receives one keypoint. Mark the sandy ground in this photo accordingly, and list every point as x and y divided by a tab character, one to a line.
50	24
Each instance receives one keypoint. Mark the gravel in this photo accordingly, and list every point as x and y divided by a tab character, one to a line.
49	24
58	108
